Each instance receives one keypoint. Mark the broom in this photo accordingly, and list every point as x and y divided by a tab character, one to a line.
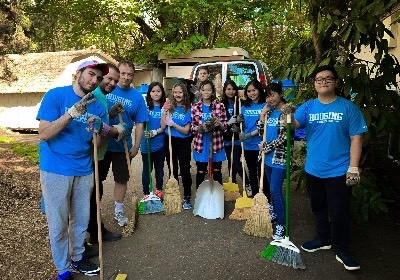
96	180
231	190
128	230
172	194
259	222
150	203
243	204
284	251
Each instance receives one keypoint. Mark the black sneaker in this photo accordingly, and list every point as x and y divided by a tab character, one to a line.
111	236
85	267
90	251
348	262
315	245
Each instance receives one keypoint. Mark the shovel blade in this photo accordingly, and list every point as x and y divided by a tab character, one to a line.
209	202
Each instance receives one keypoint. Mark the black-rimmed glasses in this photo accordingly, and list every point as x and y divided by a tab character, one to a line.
327	80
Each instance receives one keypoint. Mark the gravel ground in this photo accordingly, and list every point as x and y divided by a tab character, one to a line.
178	246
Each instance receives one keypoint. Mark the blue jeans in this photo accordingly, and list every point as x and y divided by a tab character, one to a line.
156	160
275	178
67	200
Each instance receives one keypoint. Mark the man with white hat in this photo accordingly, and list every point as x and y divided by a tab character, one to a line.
66	172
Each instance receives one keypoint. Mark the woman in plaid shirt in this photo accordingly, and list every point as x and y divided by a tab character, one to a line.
275	153
208	119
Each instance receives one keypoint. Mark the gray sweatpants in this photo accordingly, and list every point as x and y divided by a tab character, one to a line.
67	200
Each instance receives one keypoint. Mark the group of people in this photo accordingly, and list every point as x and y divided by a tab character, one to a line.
102	100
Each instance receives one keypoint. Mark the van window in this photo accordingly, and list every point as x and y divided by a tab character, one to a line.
241	73
215	69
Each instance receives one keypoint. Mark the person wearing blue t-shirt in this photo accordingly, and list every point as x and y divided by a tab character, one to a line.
66	171
229	92
179	121
154	133
334	127
251	109
135	114
106	86
275	153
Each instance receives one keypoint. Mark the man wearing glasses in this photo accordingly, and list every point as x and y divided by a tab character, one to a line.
334	127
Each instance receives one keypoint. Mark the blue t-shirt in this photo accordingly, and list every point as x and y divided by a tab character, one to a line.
272	134
180	118
69	152
157	142
251	114
135	112
231	113
203	157
328	128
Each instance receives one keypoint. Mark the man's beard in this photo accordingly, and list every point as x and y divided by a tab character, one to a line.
85	90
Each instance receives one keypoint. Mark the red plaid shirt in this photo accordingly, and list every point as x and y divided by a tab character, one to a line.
218	111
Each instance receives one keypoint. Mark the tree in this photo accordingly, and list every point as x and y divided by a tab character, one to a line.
14	25
339	31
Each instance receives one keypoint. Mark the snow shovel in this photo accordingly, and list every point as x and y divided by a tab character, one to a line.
209	202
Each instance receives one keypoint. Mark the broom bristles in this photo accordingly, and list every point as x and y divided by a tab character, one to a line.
283	252
259	222
130	228
172	197
240	214
231	196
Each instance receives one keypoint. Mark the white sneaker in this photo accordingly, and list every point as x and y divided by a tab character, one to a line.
279	232
249	192
121	218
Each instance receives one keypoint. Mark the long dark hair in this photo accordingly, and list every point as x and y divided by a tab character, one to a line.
149	101
260	89
186	98
224	98
277	87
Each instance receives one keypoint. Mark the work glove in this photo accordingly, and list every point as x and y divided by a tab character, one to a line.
116	109
353	176
288	109
122	129
244	136
232	120
95	124
215	123
166	106
79	108
239	118
260	127
234	128
205	127
169	121
150	134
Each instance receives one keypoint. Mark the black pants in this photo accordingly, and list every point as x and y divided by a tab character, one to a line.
254	167
202	172
330	203
181	154
237	168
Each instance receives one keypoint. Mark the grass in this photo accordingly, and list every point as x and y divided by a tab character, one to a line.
31	152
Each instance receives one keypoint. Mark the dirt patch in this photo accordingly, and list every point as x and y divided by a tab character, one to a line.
24	244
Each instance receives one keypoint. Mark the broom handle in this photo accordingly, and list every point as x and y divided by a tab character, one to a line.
242	156
170	149
233	142
97	183
263	155
288	154
149	159
128	161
